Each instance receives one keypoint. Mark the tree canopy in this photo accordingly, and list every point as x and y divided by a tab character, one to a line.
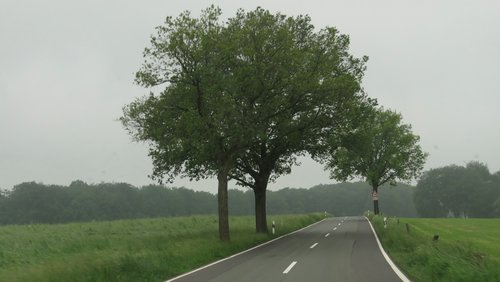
302	84
196	126
241	99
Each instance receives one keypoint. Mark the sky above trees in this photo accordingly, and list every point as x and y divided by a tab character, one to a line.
67	70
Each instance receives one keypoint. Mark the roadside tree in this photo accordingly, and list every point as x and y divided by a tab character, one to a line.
196	126
302	85
381	150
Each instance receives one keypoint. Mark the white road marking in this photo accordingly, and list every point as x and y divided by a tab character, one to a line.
289	267
240	253
314	245
335	228
327	234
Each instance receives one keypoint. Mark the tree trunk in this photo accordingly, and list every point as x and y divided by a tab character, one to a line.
222	198
375	200
375	207
260	210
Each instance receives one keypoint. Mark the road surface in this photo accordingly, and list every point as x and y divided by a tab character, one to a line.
335	249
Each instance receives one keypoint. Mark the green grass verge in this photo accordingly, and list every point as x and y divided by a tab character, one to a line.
127	250
467	249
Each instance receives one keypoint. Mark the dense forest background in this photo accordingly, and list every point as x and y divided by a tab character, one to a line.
450	191
38	203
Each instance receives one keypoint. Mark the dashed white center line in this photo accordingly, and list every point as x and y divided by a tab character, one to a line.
289	267
327	234
313	245
335	228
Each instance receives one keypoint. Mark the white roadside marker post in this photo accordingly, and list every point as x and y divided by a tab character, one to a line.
274	227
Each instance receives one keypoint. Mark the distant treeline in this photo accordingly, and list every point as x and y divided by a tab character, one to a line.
459	191
38	203
338	199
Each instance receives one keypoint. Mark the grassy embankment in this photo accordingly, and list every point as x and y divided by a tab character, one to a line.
467	249
126	250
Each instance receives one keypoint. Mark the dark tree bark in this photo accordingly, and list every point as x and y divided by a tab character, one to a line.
222	198
375	207
375	200
260	190
260	210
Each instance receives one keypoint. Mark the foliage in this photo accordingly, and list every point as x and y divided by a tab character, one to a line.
381	150
465	251
465	191
129	250
244	97
38	203
200	123
30	202
300	83
194	125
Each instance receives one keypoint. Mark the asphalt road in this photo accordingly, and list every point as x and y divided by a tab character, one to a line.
335	249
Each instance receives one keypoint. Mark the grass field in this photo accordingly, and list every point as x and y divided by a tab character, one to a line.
467	249
126	250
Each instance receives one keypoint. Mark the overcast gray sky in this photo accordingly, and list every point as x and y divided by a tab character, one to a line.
67	68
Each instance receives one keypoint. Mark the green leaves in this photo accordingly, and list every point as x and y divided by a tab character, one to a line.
260	88
458	191
242	98
381	150
299	83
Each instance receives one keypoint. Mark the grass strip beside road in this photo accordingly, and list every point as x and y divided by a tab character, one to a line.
467	249
128	250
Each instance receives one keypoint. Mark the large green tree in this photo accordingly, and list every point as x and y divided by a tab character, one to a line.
381	150
302	84
198	124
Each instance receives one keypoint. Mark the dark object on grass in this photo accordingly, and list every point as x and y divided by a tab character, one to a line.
435	238
407	228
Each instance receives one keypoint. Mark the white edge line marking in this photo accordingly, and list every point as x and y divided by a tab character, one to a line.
245	251
387	258
313	245
289	267
327	234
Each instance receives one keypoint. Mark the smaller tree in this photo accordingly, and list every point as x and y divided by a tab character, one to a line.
381	149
